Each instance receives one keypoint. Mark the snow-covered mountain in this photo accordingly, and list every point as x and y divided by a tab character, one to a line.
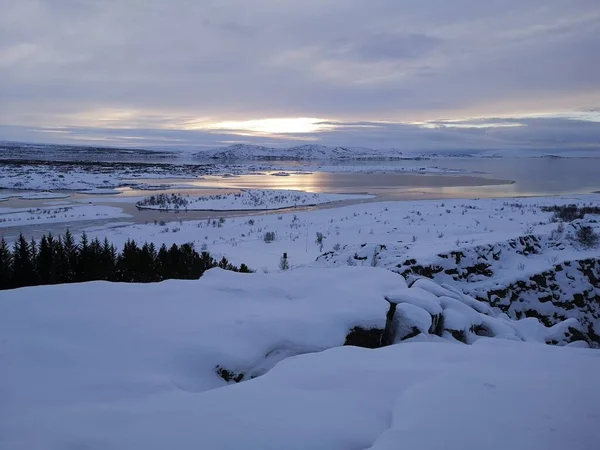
304	152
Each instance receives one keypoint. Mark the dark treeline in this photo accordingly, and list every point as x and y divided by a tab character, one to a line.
61	259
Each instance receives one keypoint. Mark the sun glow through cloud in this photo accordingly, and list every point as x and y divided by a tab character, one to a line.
296	125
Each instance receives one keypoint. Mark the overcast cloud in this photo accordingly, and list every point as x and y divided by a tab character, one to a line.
154	72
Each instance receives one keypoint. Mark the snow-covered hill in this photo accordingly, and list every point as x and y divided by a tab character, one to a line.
146	366
326	153
304	152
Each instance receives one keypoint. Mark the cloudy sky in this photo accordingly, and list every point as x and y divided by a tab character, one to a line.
426	74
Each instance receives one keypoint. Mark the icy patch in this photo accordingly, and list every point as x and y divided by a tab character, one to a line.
43	195
100	191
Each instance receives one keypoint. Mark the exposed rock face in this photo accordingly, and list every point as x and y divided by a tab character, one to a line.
429	309
474	263
364	337
570	289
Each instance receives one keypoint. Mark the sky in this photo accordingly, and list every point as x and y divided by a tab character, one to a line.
427	74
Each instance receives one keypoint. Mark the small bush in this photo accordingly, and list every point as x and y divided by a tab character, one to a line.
320	238
375	259
587	237
284	263
269	236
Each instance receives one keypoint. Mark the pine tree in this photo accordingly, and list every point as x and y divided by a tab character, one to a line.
162	263
45	262
108	262
244	268
147	264
95	260
33	249
174	263
6	265
23	268
84	266
128	262
71	257
62	261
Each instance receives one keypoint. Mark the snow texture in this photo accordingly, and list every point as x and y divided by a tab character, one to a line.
136	366
14	217
246	200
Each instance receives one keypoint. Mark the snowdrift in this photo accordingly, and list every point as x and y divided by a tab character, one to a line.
107	365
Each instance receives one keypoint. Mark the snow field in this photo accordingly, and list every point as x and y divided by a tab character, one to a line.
133	366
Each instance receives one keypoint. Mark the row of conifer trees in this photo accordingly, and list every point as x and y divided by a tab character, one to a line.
53	260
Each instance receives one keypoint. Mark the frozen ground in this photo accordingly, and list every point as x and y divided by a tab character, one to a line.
80	175
500	246
408	229
44	195
132	366
246	200
17	217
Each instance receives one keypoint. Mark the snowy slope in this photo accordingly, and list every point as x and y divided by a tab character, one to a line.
302	152
325	152
131	366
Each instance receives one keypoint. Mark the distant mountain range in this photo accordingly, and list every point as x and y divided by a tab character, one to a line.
316	152
249	152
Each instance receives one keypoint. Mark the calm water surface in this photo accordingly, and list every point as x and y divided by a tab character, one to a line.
506	177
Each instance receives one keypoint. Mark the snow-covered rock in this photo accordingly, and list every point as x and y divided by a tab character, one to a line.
427	308
144	366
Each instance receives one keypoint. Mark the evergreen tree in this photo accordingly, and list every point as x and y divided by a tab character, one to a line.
33	255
84	260
95	260
6	265
45	262
62	261
146	268
23	267
128	262
108	261
162	263
174	263
71	257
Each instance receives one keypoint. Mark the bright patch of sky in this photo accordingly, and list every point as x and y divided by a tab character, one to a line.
429	74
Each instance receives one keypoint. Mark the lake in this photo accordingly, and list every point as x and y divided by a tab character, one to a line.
493	177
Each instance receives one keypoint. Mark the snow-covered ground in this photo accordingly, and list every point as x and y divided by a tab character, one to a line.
476	245
152	366
246	200
408	229
17	217
134	366
40	175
